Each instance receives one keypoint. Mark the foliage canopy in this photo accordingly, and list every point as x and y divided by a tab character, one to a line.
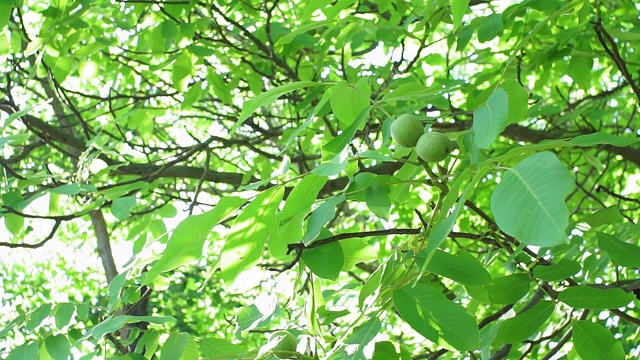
200	175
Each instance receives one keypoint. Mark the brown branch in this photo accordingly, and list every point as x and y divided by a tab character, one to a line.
55	227
298	248
104	246
611	49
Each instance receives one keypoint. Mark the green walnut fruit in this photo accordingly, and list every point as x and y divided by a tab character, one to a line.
433	147
282	341
406	130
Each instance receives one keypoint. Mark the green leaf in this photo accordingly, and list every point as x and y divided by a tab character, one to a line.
518	101
378	201
363	335
14	223
191	96
192	351
6	7
326	261
580	70
561	270
490	27
370	286
349	102
410	91
595	342
266	98
443	228
606	216
357	251
457	327
599	137
508	289
64	312
586	297
58	347
302	196
385	350
250	231
320	217
462	270
211	347
338	145
529	201
288	232
182	71
175	346
169	29
187	240
24	352
458	8
287	39
251	317
524	325
415	314
68	189
14	140
621	253
491	119
220	88
148	341
121	207
36	317
108	326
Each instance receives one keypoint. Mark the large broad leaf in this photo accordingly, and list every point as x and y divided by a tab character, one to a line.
490	119
251	229
454	324
121	207
595	342
558	271
606	216
302	196
415	314
378	201
586	297
348	102
522	326
622	253
529	201
326	261
187	240
465	270
58	347
579	70
490	27
508	289
64	312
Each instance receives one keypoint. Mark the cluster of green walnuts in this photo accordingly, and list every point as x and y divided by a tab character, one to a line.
409	132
